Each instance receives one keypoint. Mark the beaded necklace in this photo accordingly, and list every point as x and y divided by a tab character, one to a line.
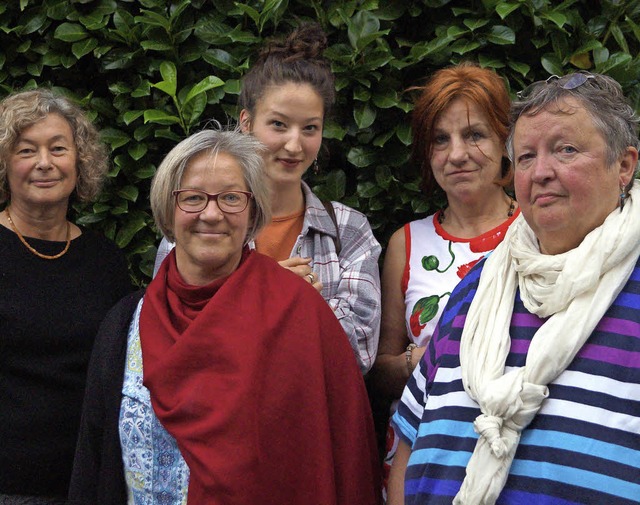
31	249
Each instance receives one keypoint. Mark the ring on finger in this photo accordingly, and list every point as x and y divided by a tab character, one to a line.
311	278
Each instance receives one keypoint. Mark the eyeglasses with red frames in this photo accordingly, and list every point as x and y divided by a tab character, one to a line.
569	81
196	200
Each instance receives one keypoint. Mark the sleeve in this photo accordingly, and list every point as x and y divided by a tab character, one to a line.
407	418
357	303
163	251
98	476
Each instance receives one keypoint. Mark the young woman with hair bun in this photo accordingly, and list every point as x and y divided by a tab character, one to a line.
285	97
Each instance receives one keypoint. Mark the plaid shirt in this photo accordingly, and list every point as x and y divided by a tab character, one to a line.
351	282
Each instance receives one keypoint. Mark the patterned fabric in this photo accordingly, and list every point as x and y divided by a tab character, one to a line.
436	261
351	283
12	499
154	469
582	447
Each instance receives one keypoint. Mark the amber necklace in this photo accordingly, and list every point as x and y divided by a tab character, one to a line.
39	254
512	208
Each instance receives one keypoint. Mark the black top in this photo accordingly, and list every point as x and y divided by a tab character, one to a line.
98	471
50	311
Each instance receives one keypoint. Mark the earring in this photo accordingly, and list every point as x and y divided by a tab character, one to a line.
623	196
316	168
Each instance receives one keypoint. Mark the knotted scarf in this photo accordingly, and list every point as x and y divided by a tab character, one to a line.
255	379
573	290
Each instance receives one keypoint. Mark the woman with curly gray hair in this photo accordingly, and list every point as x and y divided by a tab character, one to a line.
57	282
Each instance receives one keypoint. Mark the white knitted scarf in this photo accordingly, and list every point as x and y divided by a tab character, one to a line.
574	289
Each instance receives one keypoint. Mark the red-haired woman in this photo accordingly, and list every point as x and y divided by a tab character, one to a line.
460	126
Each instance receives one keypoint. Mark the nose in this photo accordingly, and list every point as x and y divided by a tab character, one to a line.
212	211
293	144
542	168
458	152
43	161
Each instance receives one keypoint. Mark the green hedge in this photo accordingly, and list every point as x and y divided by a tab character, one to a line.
153	71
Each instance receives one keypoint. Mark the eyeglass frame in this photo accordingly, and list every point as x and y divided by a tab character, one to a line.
214	197
579	79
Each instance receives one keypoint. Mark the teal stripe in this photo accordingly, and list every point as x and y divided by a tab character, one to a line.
458	429
405	428
576	477
582	445
440	457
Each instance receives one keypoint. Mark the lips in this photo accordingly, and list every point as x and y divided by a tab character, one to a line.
545	198
289	162
45	183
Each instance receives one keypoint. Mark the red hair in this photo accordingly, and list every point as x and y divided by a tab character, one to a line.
481	86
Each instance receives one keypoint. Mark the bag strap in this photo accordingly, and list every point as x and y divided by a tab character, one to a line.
332	214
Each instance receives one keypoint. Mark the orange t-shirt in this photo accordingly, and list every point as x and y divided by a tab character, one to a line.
278	238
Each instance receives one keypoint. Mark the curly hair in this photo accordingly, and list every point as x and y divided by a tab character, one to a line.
467	80
299	58
22	110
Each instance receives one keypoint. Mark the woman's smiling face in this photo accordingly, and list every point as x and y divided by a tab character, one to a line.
288	121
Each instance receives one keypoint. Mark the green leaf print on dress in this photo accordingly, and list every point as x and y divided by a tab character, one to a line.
426	308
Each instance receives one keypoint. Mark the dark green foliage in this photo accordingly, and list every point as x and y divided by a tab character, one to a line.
153	71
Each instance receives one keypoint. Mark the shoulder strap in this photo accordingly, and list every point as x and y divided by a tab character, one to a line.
332	214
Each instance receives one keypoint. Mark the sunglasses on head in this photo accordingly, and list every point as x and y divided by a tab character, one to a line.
569	81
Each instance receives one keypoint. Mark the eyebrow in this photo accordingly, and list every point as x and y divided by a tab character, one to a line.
282	115
55	138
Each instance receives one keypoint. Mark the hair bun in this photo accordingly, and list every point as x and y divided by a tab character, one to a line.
308	41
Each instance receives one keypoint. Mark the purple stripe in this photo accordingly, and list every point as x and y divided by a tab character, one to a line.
526	320
619	326
458	321
610	355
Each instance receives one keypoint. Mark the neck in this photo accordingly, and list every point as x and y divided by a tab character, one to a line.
45	224
286	199
467	219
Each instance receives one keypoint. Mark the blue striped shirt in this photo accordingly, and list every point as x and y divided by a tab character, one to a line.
582	447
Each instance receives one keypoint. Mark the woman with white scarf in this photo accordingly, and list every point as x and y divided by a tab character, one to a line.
529	391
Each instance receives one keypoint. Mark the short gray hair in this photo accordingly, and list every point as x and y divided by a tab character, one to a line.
244	148
602	98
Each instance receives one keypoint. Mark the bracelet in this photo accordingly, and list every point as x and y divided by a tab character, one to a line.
408	353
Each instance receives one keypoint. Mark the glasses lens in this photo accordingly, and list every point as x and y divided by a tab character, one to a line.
573	81
232	201
192	200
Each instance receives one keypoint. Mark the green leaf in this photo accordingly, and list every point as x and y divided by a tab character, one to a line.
131	115
619	36
84	47
614	61
501	35
368	189
521	68
474	24
154	45
114	137
335	185
361	156
556	17
464	46
129	230
70	32
137	151
362	27
364	115
503	9
129	193
552	64
160	117
203	86
333	130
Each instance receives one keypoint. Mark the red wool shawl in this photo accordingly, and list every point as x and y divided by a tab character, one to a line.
255	379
